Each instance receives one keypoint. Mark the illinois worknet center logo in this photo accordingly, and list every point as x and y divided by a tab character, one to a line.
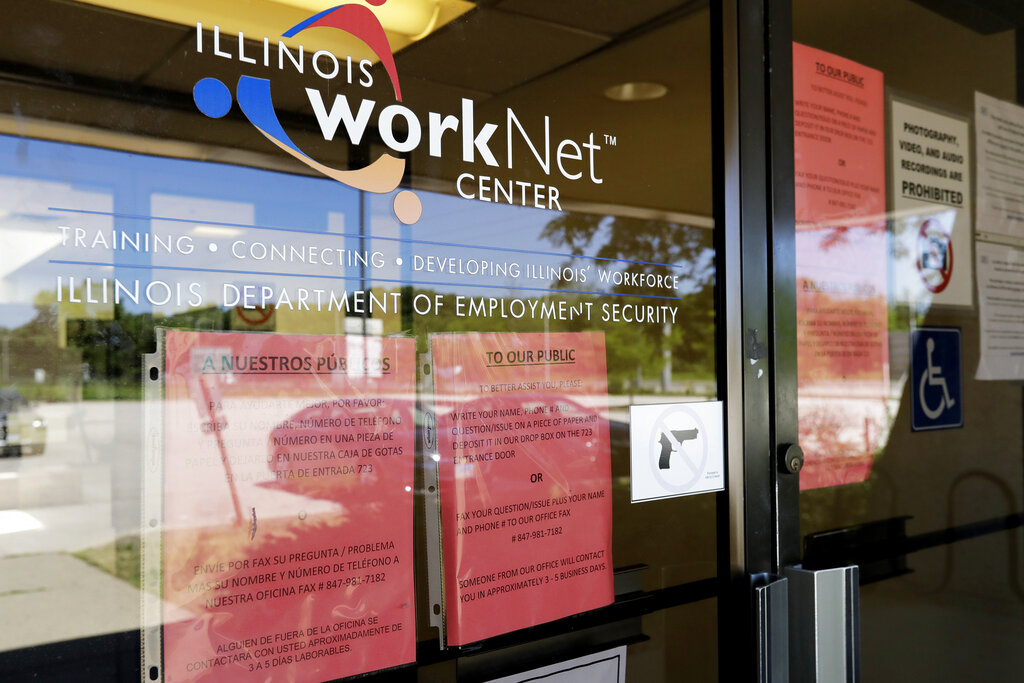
213	98
535	151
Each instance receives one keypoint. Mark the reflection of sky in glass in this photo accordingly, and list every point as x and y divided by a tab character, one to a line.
851	252
31	232
100	190
230	219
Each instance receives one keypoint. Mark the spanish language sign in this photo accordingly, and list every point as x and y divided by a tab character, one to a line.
525	477
842	314
931	206
999	133
288	473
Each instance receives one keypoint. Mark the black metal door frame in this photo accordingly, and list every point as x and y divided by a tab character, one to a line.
759	516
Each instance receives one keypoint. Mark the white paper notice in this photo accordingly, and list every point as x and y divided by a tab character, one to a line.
1001	299
601	667
676	449
931	200
999	131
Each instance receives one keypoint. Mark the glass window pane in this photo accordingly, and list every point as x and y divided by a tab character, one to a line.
910	446
231	236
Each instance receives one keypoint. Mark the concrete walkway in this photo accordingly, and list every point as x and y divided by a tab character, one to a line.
54	597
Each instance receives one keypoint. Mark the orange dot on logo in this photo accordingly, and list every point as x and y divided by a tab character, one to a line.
408	207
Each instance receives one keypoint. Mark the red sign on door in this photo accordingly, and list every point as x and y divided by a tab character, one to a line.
288	503
841	265
525	478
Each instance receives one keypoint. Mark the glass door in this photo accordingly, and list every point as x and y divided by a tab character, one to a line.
908	175
388	336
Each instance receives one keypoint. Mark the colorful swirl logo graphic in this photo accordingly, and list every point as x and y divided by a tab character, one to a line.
213	98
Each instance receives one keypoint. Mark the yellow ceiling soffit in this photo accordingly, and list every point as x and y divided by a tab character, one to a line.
404	21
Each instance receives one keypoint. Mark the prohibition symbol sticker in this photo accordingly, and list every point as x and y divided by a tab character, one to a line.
675	449
934	255
255	316
679	449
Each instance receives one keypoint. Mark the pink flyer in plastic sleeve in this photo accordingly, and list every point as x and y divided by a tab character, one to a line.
525	478
841	265
288	506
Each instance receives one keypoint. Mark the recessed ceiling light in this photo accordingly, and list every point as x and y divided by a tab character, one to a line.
634	92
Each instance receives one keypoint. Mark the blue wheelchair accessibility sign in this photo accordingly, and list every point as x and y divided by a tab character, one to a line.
936	389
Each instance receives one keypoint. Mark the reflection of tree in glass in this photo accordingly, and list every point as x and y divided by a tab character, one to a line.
31	345
113	348
638	245
839	451
840	336
101	356
831	236
647	246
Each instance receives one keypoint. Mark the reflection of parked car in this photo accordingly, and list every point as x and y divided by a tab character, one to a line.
22	430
